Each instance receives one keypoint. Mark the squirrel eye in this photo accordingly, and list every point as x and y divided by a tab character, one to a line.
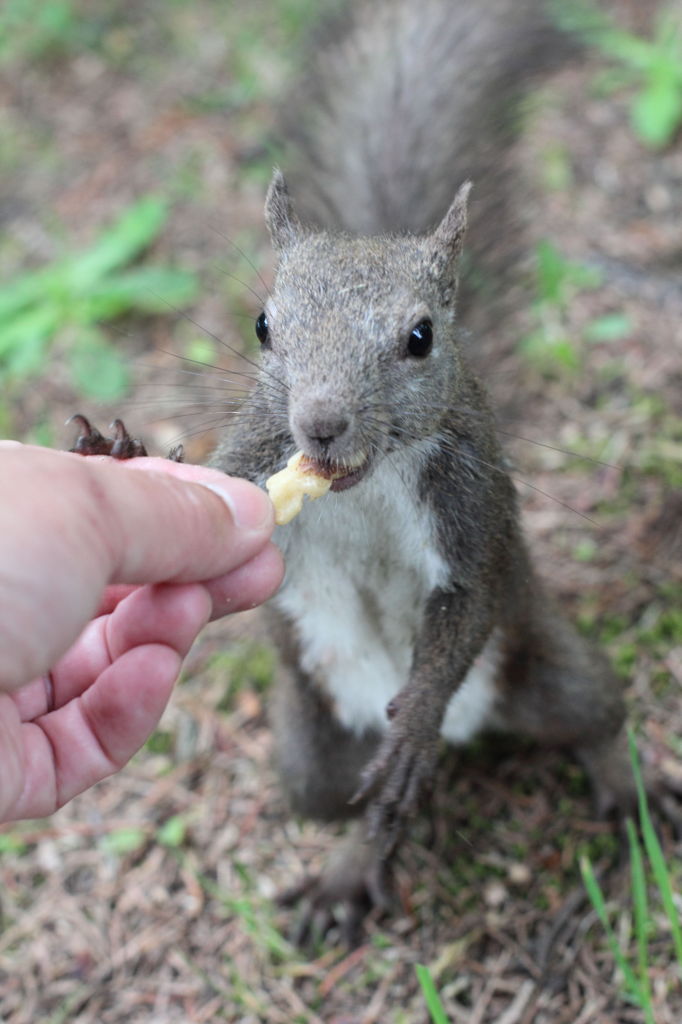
262	328
420	342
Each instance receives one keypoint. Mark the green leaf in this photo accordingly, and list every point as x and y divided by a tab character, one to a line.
29	360
160	742
581	17
657	112
10	843
132	233
20	292
149	289
551	272
124	840
633	51
29	29
610	327
585	550
24	339
668	40
551	355
97	369
557	172
565	353
433	1002
534	346
201	350
172	832
556	274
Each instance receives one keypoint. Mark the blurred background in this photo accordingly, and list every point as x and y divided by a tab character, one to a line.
136	146
136	143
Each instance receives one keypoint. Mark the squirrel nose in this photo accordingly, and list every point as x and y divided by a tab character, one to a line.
321	429
325	431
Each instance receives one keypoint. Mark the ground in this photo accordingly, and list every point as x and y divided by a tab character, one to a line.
151	897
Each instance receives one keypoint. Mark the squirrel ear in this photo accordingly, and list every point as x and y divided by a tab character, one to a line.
280	217
447	240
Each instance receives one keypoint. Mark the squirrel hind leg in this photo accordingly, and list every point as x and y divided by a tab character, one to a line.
608	766
319	760
610	770
561	692
320	764
355	881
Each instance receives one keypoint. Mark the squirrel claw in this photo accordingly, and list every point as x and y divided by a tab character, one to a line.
91	442
398	801
121	446
124	446
316	918
396	780
354	882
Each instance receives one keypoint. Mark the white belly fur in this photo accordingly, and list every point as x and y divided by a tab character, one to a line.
360	566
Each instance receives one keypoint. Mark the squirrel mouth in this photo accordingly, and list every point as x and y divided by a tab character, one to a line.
350	479
343	475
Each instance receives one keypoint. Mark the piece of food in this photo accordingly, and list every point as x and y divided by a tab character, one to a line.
287	488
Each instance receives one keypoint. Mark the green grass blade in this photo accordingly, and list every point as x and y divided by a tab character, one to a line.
657	111
586	20
21	291
97	369
254	915
24	340
641	916
438	1015
655	853
151	289
599	904
132	233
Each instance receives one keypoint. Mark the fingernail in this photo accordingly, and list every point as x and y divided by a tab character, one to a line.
250	506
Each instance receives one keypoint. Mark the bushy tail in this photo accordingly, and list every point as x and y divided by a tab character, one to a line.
408	98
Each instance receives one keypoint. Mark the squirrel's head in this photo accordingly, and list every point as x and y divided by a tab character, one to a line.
358	339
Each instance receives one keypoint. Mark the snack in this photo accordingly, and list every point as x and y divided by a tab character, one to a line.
287	488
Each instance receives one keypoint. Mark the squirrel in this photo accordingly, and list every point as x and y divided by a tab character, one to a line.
410	611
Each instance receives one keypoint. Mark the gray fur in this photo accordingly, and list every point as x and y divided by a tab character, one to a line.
338	380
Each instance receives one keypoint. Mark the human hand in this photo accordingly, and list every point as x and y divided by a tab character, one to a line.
108	571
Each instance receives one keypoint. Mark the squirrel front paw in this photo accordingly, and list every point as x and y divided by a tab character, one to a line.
402	772
121	446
